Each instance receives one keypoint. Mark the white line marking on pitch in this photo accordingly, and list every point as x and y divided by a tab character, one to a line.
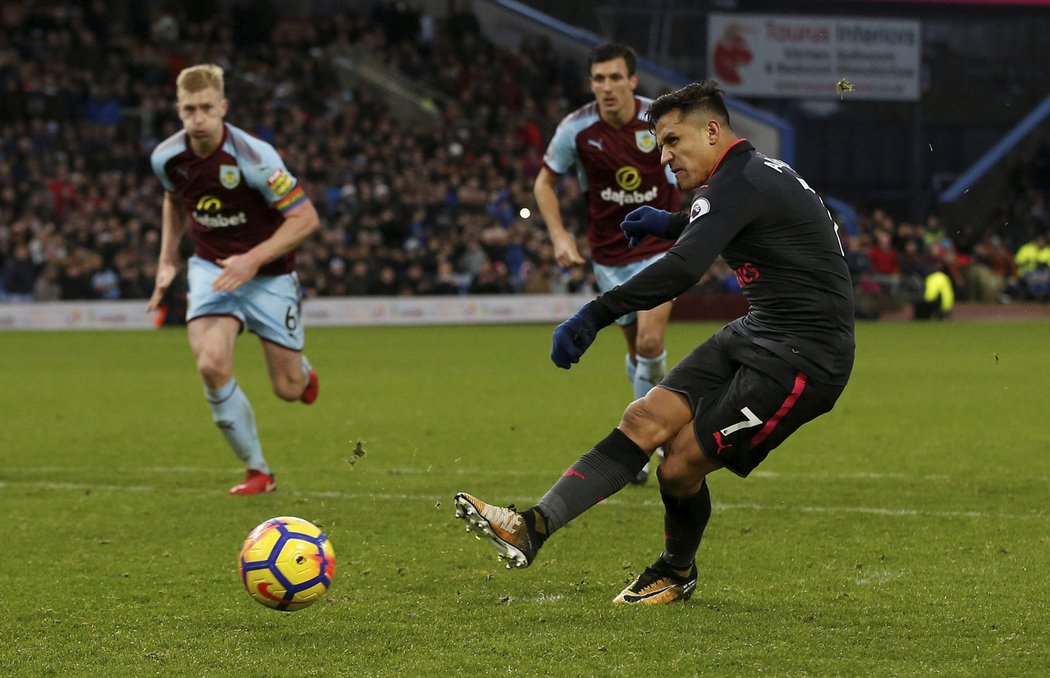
389	496
416	471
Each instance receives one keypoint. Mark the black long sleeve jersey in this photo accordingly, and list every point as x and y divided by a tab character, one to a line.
780	239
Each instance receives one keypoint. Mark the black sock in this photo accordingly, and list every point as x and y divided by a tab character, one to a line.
600	473
684	521
536	523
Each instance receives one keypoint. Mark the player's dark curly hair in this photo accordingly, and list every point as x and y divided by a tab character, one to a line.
704	96
614	50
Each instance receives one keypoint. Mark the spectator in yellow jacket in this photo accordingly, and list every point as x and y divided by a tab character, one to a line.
1033	268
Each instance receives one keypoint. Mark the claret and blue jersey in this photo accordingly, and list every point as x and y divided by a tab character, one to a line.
619	169
235	198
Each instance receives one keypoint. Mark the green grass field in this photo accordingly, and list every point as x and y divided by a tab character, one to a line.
905	533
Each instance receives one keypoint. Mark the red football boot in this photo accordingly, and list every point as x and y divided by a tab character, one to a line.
255	482
312	387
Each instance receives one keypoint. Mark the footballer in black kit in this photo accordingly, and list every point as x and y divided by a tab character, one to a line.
738	395
783	245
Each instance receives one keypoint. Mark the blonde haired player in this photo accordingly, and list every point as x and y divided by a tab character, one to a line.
247	214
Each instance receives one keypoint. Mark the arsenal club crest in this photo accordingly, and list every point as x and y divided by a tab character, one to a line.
645	140
230	176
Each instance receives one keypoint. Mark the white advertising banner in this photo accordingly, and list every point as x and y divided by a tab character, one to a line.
76	315
323	312
478	309
771	55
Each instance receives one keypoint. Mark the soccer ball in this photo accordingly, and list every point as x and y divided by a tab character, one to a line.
287	563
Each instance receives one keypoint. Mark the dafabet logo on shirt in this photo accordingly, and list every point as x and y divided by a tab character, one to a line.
629	178
207	214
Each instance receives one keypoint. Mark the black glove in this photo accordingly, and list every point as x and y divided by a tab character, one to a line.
574	336
643	221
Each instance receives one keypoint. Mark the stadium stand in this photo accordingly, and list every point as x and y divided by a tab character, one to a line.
408	207
407	211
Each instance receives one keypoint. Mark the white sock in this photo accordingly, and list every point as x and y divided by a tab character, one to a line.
232	413
648	373
305	364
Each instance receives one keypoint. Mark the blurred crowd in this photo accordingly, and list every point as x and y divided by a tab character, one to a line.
89	92
406	210
899	263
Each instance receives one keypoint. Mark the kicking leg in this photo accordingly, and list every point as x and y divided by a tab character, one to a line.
606	469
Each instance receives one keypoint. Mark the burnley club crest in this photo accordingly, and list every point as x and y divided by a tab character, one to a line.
230	176
645	140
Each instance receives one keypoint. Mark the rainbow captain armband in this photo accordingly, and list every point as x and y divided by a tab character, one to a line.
286	190
295	197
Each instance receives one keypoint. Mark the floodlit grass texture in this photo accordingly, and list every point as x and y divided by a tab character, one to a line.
904	533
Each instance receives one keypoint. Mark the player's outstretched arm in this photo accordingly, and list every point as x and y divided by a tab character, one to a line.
546	194
298	225
173	226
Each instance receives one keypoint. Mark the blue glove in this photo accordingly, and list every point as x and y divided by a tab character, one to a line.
574	336
643	221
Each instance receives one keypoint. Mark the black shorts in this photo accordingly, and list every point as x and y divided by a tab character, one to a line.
745	399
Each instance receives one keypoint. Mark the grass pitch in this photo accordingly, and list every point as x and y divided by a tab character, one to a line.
906	532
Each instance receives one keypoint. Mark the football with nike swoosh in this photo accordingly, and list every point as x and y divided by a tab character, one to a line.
287	563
